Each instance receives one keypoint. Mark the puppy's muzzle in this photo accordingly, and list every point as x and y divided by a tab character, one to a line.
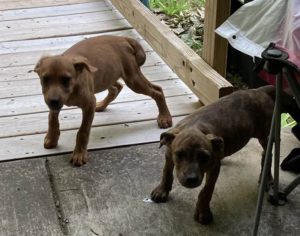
55	103
191	180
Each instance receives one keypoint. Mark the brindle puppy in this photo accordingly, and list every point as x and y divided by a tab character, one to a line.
196	145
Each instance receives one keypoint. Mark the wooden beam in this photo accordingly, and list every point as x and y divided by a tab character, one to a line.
205	82
215	47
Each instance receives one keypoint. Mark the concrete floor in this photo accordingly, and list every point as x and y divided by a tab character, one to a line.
47	196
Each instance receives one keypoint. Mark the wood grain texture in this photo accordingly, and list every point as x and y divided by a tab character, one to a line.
31	58
40	12
214	50
101	137
35	103
58	26
55	43
116	113
20	73
21	4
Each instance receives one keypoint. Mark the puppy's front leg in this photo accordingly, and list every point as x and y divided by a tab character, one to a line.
161	192
53	133
203	213
79	156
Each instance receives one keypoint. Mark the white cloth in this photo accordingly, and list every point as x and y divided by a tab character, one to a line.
252	27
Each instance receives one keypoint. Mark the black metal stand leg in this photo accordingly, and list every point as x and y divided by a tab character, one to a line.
292	186
274	191
274	130
267	163
277	137
274	61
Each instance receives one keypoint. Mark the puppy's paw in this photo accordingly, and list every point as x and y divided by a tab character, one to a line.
50	142
203	218
164	121
159	194
78	158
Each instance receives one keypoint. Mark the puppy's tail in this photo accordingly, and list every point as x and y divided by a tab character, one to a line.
139	52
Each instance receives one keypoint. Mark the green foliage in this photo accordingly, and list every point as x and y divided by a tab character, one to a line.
175	7
170	7
197	3
193	42
236	80
184	17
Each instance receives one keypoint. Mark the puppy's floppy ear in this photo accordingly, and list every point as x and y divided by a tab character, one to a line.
81	63
216	142
167	138
38	64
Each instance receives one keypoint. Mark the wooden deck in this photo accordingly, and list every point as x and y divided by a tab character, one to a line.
32	28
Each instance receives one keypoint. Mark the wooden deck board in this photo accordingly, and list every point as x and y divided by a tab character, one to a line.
21	4
40	12
128	112
101	137
19	88
61	42
49	27
35	103
20	73
62	26
31	58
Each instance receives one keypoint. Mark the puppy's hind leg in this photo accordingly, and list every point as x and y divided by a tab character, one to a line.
113	92
53	133
137	82
264	143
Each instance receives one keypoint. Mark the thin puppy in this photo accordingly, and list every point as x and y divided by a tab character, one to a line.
92	66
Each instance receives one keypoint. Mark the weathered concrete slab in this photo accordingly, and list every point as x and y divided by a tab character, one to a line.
105	197
26	203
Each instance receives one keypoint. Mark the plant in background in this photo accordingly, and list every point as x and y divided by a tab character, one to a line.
175	7
170	7
184	17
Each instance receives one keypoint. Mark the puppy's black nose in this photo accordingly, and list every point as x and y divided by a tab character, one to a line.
192	180
54	103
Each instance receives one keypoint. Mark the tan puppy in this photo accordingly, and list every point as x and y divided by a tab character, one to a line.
91	66
196	145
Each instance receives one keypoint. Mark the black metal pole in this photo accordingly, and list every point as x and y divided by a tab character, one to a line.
267	161
277	137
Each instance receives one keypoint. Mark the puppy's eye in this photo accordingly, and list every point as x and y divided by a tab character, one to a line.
65	80
45	80
203	156
179	155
